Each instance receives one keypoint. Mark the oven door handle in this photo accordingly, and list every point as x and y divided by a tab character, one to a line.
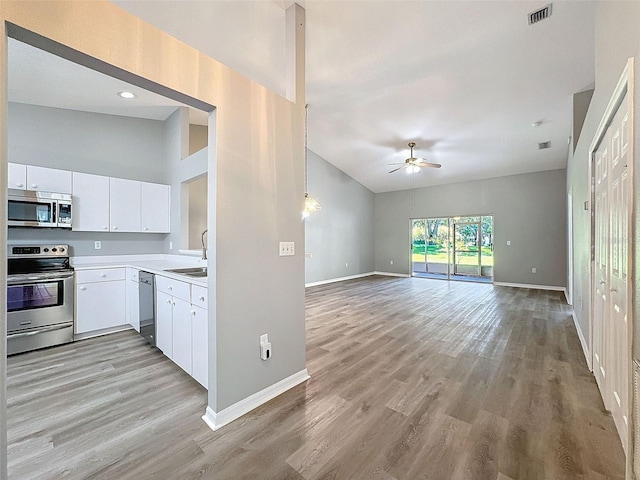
39	330
26	281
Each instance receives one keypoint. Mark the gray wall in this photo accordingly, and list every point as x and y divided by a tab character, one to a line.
108	145
342	232
617	39
529	210
90	143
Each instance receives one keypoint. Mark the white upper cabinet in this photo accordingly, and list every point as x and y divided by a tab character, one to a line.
124	205
155	207
101	204
90	203
17	176
29	177
48	179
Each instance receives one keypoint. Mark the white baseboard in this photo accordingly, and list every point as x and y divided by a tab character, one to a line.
583	342
389	274
566	296
340	279
217	420
528	285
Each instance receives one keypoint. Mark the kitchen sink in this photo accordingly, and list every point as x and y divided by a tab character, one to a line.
190	271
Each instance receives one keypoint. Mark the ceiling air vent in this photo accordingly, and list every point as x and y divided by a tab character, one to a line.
544	145
539	15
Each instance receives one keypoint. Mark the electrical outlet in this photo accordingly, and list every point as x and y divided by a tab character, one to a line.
534	270
170	245
346	264
265	351
287	249
97	245
390	262
508	242
265	347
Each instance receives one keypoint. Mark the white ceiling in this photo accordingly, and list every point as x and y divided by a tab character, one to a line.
37	77
464	80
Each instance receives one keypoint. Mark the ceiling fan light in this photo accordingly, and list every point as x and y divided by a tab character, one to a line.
413	169
311	205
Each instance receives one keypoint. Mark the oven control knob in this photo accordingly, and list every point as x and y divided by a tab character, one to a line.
46	249
54	249
61	249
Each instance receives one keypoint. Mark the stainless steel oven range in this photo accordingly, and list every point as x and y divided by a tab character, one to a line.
39	297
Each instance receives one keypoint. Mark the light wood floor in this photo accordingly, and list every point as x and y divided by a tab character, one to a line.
411	379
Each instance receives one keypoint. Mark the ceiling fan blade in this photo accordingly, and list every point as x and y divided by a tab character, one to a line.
396	169
422	163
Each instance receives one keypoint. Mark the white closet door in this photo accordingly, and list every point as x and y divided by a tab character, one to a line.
611	329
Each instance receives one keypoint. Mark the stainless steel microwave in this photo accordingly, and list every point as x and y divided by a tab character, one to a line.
28	208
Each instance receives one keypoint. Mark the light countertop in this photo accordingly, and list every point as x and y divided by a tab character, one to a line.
156	263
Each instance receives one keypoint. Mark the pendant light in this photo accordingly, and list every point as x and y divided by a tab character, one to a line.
310	204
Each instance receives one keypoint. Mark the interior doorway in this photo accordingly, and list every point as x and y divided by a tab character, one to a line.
453	248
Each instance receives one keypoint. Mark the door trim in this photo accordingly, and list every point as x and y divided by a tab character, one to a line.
624	86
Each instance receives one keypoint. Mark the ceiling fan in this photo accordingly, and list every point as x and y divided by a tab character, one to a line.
413	164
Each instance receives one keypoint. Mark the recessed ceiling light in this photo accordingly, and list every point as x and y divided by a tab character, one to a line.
127	94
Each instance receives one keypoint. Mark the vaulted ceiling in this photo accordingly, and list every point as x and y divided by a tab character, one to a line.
466	81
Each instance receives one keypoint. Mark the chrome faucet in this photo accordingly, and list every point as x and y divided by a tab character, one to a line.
204	249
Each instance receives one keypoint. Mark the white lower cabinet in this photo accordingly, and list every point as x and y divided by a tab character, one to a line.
164	323
133	299
182	335
181	326
200	345
109	297
100	299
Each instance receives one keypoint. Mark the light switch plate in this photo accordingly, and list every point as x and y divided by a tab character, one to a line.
287	249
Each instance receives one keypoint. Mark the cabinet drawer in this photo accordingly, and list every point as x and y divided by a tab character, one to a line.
199	296
100	275
173	287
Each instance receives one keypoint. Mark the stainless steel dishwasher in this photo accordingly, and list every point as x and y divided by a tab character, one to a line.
147	308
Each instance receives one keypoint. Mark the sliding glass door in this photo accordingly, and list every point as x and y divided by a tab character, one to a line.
459	248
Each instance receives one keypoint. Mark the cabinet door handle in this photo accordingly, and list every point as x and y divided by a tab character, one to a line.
19	185
193	312
202	299
105	228
34	185
173	303
169	287
103	275
146	228
613	289
83	288
115	228
169	301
